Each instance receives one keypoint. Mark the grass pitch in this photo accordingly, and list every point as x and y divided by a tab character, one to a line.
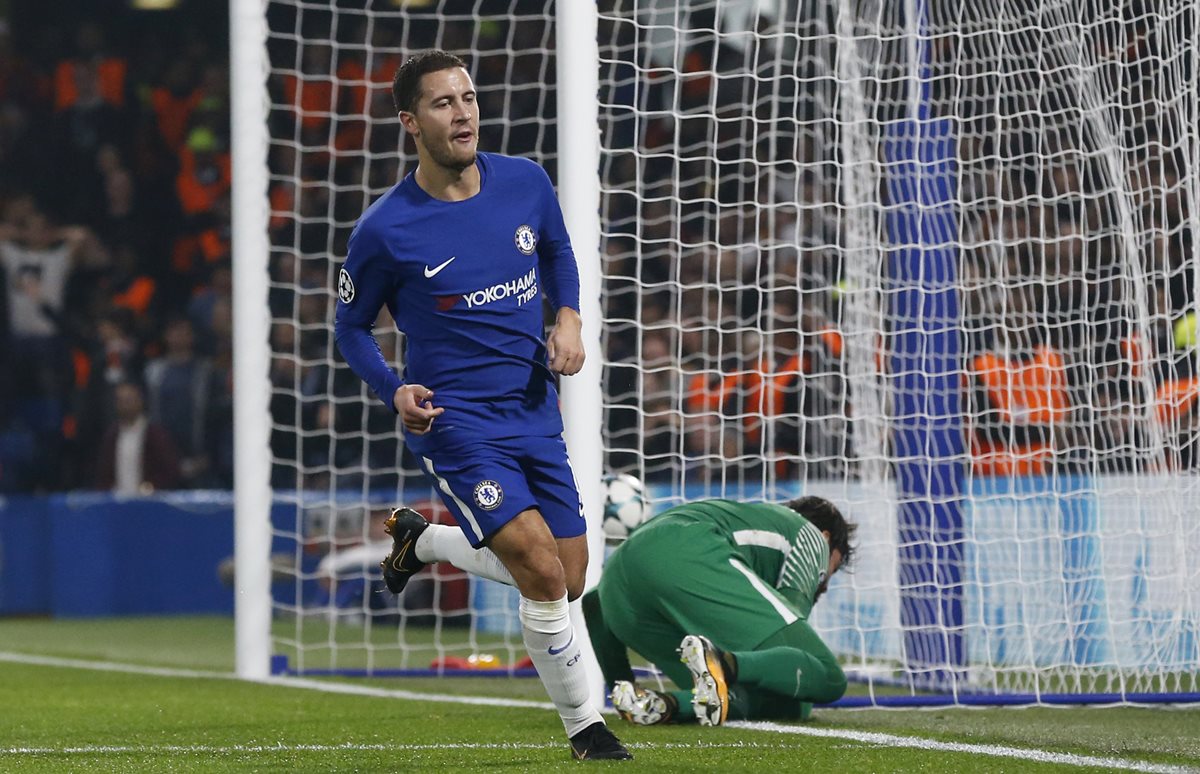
58	717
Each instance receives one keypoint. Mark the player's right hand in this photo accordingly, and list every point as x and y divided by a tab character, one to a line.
412	401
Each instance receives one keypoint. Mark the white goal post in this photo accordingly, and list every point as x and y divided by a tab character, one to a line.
934	260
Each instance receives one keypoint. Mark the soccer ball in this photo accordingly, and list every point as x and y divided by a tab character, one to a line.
625	506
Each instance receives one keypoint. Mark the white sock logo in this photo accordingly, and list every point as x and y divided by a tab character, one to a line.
554	652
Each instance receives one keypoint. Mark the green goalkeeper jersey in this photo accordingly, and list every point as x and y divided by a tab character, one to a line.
776	543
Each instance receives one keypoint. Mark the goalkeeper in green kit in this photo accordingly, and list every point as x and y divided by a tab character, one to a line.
717	595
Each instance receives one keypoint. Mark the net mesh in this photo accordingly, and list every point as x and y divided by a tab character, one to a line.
768	171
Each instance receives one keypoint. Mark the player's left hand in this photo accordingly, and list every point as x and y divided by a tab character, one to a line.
564	345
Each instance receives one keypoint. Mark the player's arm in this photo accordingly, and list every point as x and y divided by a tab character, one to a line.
364	284
610	652
798	590
802	601
564	345
560	275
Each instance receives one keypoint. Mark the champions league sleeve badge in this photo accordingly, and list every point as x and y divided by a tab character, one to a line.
345	287
526	240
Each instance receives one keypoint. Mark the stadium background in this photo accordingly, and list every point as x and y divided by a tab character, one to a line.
114	135
114	151
117	183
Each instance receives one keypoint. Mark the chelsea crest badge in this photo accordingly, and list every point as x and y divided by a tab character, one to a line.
488	495
526	240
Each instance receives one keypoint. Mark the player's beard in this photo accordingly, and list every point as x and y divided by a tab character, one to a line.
449	159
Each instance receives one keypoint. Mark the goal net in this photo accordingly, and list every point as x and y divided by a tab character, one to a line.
933	260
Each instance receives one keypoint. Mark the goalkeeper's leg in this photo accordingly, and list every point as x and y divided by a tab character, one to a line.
792	663
779	678
654	592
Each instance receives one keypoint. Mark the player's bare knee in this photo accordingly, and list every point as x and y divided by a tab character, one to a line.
574	556
548	571
534	559
576	576
537	572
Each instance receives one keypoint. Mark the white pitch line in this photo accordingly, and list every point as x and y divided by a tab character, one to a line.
109	666
862	737
994	750
392	693
108	749
285	682
176	749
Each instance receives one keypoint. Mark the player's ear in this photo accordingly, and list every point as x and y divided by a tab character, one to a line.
409	122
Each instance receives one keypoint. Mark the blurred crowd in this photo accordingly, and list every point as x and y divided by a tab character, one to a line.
114	239
728	226
116	365
739	239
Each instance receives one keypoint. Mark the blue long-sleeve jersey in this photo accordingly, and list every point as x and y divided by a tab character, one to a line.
464	283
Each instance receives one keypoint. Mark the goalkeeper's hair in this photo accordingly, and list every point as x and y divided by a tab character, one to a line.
826	517
406	84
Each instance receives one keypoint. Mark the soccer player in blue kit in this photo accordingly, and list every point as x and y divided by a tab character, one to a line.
462	251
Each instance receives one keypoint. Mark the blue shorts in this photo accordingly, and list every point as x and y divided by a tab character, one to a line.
485	485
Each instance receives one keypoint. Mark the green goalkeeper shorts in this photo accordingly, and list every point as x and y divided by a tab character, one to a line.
683	579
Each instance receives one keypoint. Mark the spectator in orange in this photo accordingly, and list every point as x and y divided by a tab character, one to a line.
740	393
808	389
1177	408
1021	408
204	172
110	70
77	133
311	94
173	103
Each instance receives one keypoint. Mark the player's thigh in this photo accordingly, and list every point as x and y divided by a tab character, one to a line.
530	553
702	587
552	481
483	487
801	636
825	684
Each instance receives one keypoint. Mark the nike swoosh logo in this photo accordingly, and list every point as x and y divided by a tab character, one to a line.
554	652
399	560
433	272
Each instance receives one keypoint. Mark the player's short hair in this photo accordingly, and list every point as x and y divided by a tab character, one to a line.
826	517
406	85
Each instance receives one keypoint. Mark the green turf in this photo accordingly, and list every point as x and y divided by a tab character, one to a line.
65	719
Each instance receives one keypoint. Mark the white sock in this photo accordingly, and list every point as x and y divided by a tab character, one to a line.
439	543
550	640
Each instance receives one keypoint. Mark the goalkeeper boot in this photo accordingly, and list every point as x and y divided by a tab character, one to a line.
597	743
642	706
710	692
404	525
